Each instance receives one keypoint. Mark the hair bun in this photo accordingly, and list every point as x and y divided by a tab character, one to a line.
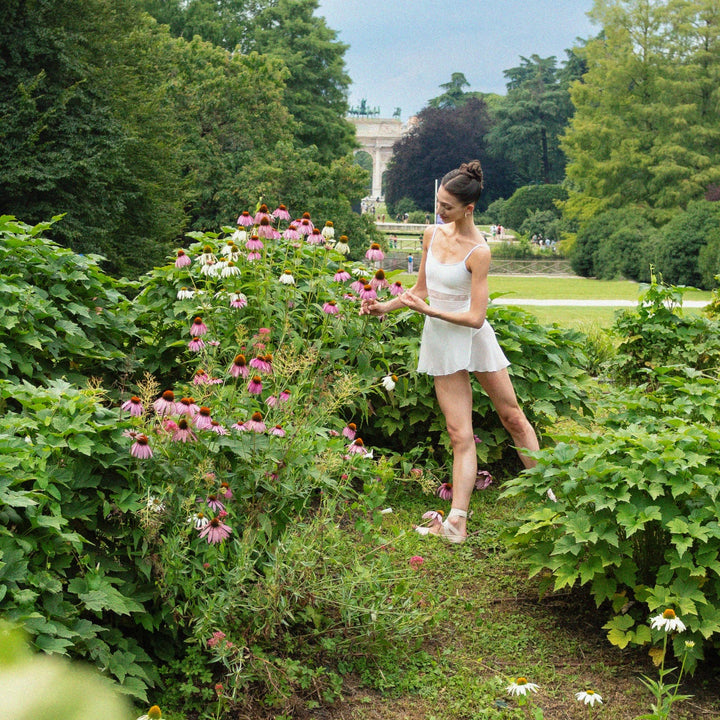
473	170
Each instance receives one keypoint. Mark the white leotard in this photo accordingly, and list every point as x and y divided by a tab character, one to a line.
446	347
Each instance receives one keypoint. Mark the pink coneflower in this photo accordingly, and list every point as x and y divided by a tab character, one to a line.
165	404
357	446
350	430
483	480
278	430
253	256
444	491
284	396
379	280
218	428
255	423
262	213
198	327
260	362
342	275
266	230
245	219
239	367
214	503
187	406
281	213
196	344
396	288
305	227
367	293
202	419
331	308
202	378
238	300
182	259
358	284
141	448
225	491
350	297
134	406
169	426
271	401
255	385
254	243
183	433
315	237
291	233
215	531
434	516
375	253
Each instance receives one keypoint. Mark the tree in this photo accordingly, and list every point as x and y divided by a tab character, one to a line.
530	120
82	128
442	139
454	94
652	75
316	91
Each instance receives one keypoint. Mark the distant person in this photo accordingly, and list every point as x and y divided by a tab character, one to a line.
427	218
410	263
457	339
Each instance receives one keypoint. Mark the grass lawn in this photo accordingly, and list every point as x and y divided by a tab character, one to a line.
570	288
493	626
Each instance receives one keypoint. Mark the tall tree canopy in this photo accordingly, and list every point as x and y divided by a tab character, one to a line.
138	135
442	139
646	130
316	90
79	82
531	117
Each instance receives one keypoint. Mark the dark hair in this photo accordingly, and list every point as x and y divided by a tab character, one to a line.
465	183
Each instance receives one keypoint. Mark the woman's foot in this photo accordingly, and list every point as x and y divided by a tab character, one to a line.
452	529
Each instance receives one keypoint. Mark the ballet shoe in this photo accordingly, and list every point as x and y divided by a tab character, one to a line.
447	531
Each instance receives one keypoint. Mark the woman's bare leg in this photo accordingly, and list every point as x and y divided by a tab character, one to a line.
499	389
454	395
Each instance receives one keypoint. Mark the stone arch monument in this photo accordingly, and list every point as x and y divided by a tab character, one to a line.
377	137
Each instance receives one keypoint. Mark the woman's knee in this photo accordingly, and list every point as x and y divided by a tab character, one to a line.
514	420
460	437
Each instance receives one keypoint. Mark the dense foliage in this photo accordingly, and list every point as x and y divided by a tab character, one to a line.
635	506
216	536
137	135
441	139
529	199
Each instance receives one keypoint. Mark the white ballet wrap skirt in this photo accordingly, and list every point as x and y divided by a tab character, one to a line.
446	348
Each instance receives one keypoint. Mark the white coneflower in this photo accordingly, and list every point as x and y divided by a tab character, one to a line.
389	382
589	697
520	686
287	278
668	621
185	294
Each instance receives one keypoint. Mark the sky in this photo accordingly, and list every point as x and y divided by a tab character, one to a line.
401	51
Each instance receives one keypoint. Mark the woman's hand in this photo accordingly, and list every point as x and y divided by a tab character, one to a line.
414	302
373	307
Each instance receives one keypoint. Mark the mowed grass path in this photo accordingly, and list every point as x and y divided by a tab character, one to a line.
535	287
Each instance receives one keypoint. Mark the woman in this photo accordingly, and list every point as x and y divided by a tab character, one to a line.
457	340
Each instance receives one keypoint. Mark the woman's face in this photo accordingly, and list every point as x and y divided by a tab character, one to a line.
449	208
